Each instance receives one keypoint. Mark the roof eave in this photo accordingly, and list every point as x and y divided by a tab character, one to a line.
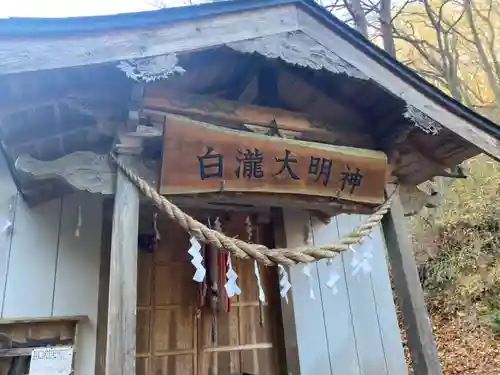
36	28
399	69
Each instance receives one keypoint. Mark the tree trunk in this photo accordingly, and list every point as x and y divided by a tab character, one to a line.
386	27
358	15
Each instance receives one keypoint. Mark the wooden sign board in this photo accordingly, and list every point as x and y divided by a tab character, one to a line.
202	158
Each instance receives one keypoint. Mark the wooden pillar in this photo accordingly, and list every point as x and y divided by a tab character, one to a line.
121	333
410	294
289	351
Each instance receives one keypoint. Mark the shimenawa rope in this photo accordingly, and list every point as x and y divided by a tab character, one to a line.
242	249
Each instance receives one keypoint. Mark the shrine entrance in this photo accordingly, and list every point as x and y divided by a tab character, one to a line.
183	330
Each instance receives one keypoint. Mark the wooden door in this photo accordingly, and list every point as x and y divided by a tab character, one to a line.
166	326
172	340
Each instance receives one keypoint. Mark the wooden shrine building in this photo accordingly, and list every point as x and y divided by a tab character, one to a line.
273	126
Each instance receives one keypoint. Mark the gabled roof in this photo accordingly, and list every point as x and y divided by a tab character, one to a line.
33	44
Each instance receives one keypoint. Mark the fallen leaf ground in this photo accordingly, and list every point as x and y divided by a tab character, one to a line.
462	349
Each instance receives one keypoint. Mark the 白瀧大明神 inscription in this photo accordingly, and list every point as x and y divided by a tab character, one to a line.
201	158
250	166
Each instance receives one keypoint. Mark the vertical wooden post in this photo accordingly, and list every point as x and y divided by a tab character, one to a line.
290	349
410	294
121	333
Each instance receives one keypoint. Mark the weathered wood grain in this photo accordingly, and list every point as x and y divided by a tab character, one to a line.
76	286
188	142
364	314
409	291
87	171
290	345
8	202
44	319
16	352
299	49
102	303
158	100
121	332
174	337
397	86
390	334
84	170
309	318
133	43
35	238
352	330
341	333
414	199
38	333
62	267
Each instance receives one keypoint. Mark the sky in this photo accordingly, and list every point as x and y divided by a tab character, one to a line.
72	8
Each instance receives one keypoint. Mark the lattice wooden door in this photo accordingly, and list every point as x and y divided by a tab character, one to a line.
172	341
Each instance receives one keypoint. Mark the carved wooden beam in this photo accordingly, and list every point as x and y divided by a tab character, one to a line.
84	170
158	100
87	171
415	198
132	142
413	167
298	48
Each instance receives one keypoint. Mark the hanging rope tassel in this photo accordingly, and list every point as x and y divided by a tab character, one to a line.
155	227
261	294
225	303
223	259
212	260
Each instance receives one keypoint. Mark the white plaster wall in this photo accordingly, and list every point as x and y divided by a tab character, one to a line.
46	270
354	330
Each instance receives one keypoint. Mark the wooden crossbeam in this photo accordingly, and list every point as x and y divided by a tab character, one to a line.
158	100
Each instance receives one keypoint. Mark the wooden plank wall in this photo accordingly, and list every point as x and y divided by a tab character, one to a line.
45	269
352	332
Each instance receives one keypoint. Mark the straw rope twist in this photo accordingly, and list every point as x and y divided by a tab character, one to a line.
245	250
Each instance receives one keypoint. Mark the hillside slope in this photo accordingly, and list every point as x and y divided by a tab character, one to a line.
458	251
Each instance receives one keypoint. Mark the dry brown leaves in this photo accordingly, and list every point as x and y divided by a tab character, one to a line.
464	350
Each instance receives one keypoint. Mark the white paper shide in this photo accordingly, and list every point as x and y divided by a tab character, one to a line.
361	261
197	261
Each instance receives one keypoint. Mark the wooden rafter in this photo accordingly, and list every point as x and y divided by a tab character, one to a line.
219	30
78	98
381	74
158	100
